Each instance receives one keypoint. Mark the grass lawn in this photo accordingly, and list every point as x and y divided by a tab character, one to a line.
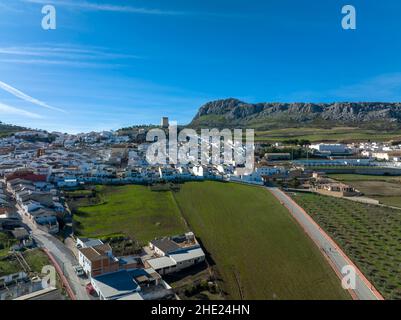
78	193
9	265
132	210
370	235
256	244
36	259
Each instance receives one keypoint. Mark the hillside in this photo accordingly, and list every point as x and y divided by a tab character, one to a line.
7	129
264	116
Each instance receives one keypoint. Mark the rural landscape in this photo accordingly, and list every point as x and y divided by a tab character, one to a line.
217	212
200	157
318	200
369	235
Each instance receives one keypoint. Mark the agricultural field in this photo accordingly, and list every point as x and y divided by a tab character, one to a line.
386	189
370	235
335	134
260	252
134	211
363	177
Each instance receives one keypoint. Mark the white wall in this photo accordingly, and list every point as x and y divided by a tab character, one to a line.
84	263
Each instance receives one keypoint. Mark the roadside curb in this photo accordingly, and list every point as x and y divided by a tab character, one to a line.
60	273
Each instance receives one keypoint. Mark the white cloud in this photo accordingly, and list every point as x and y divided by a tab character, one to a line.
8	7
9	110
85	5
65	55
15	92
61	51
67	63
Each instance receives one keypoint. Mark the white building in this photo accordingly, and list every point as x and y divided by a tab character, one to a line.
177	261
175	253
381	155
337	148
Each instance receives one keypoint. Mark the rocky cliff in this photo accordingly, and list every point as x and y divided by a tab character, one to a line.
233	112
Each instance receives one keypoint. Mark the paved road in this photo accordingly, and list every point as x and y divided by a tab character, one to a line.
363	290
63	256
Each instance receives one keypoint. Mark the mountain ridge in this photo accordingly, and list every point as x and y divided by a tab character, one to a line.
234	112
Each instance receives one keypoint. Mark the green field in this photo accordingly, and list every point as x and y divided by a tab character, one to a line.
389	201
335	134
257	246
386	189
362	177
133	211
8	265
370	236
36	260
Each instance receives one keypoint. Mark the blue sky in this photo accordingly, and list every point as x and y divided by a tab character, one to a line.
116	63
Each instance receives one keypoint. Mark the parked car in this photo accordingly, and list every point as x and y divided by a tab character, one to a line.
79	271
90	290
